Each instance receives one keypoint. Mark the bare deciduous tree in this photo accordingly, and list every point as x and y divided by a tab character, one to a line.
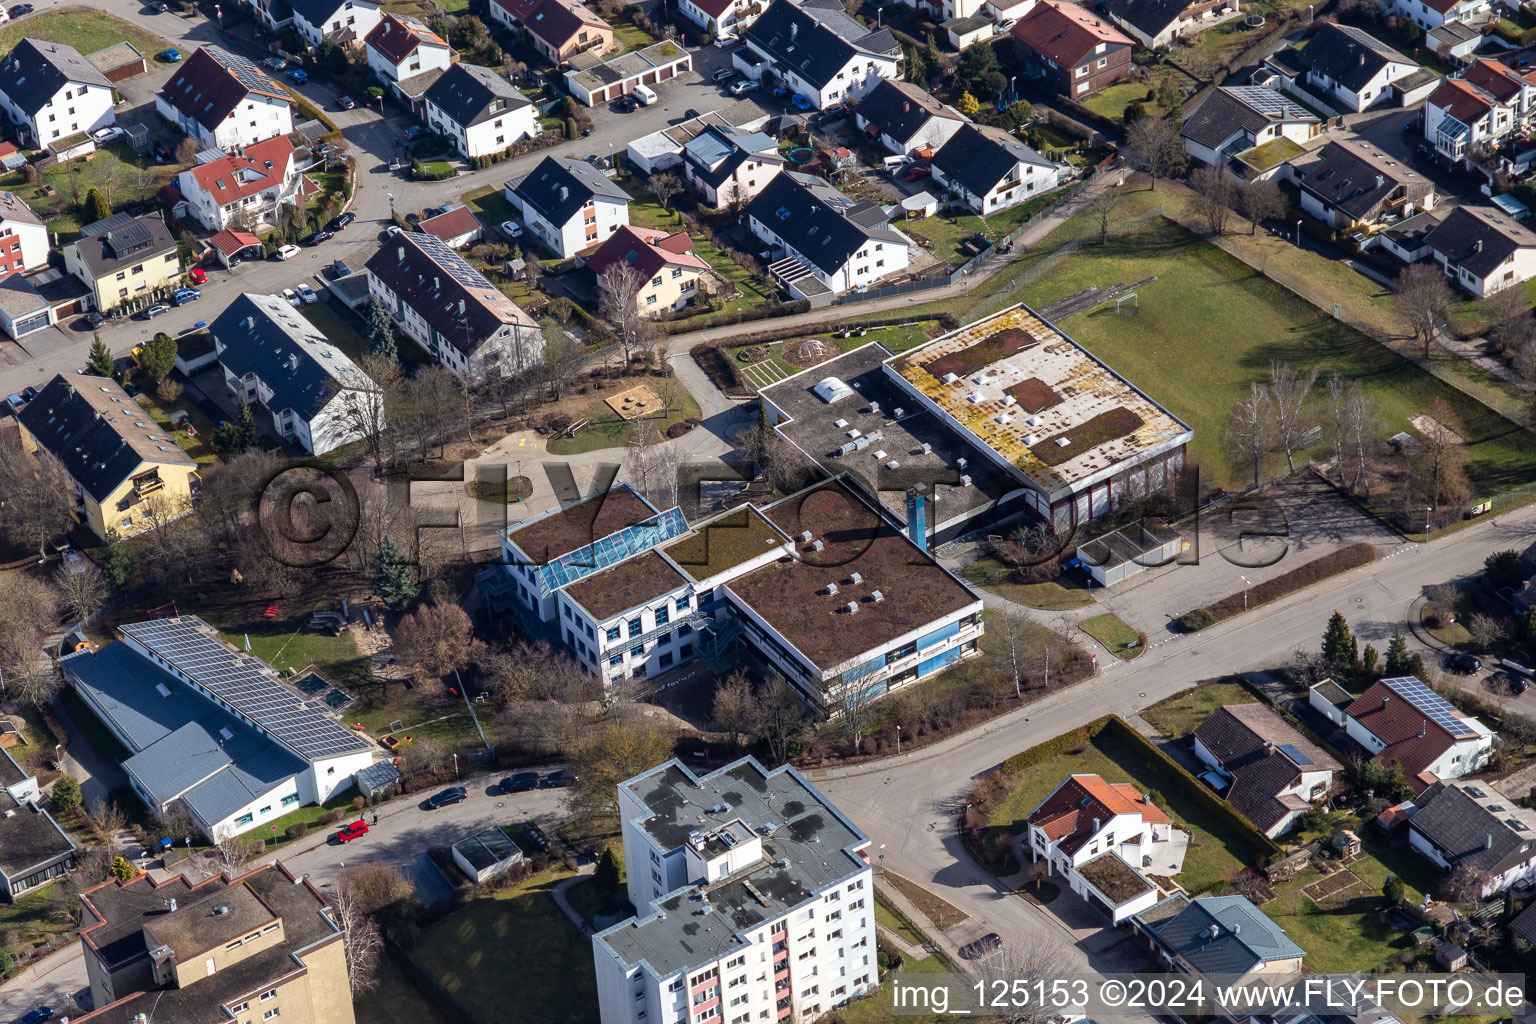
665	187
1019	642
733	705
1465	885
1288	391
1259	201
1424	299
28	609
37	505
618	304
1155	146
366	391
1441	462
1247	434
1035	956
1103	203
82	587
1215	195
360	937
612	754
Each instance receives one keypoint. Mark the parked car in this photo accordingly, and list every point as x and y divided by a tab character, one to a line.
162	154
452	795
287	252
512	229
94	318
522	782
722	74
338	223
274	64
159	6
292	297
742	87
1465	664
170	55
354	830
417	131
800	102
338	269
182	296
15	402
557	780
983	947
198	275
308	294
156	310
626	104
917	171
346	102
19	9
104	136
42	1013
298	75
392	231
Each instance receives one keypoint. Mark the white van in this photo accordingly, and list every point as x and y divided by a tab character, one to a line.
644	95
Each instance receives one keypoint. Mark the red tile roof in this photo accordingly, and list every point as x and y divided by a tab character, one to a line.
1065	32
453	224
397	38
1412	737
1069	813
230	241
263	166
713	8
1462	100
648	250
1499	79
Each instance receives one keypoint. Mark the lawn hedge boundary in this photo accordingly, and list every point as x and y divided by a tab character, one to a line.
310	112
1054	747
1287	583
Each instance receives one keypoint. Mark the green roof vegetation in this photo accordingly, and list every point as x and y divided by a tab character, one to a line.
724	543
1271	154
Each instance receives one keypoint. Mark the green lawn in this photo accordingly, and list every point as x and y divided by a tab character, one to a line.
121	174
1120	639
85	29
1178	716
897	338
894	920
197	447
437	170
630	36
275	832
490	205
1111	102
946	230
1216	851
394	1000
609	430
1054	596
517	934
877	1009
1209	325
31	917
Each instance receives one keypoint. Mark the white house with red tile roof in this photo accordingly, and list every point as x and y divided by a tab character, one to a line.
232	246
1486	103
668	269
1088	818
224	100
401	48
457	228
249	183
1402	721
723	18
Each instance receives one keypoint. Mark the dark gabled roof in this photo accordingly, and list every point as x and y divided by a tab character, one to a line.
264	335
1065	32
556	21
978	157
33	73
1187	934
1263	755
1247	108
446	291
99	434
812	41
1150	16
211	83
1467	830
467	94
1343	178
1479	238
901	109
817	220
130	240
559	187
1348	55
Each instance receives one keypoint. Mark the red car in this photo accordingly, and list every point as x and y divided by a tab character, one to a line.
918	171
356	830
198	276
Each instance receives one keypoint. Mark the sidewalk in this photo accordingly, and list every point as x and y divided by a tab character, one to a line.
558	893
937	940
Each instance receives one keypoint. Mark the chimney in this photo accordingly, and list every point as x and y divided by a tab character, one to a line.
906	107
1269	745
565	193
1362	60
1385	701
1096	824
1477	246
1380	181
794	29
1488	841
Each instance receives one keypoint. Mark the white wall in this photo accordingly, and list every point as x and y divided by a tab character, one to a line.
358	15
425	58
568	239
1519	268
92	106
32	240
488	137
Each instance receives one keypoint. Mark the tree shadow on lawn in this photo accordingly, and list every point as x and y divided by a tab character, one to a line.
1354	924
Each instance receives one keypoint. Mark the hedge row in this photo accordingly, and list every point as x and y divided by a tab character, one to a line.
770	309
309	112
1054	747
1262	845
1299	578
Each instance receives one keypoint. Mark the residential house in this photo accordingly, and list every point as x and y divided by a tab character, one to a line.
819	51
23	238
457	228
1107	828
343	21
632	591
940	11
1408	240
1483	249
115	455
904	117
262	943
1004	12
1072	48
479	111
666	268
34	850
723	19
1478	109
663	149
52	94
991	169
224	101
559	29
568	205
274	15
448	308
1430	14
401	48
124	260
1354	185
824	243
243	189
1225	936
1271	772
211	729
1155	24
1473	825
735	870
277	360
729	167
1344	67
1234	120
1401	721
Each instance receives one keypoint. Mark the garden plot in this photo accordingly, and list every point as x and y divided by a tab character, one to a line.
761	375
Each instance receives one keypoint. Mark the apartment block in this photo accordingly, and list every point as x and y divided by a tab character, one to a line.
755	896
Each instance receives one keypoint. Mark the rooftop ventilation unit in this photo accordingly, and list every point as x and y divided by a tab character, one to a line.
965	480
855	578
855	432
852	607
1062	442
961	462
880	454
839	423
1031	439
893	464
874	406
831	589
927	448
949	378
805	535
1033	421
980	378
973	397
897	413
878	596
1003	418
1010	400
817	545
849	448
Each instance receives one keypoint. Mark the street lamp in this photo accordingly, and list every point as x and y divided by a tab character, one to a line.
1246	584
898	741
882	858
455	766
1298	234
1427	510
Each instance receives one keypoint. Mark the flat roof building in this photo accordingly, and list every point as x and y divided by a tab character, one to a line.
732	870
34	850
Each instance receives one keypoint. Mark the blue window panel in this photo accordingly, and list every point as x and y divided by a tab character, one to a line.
634	626
682	602
613	632
663	616
638	650
937	662
616	659
863	669
602	553
872	692
938	636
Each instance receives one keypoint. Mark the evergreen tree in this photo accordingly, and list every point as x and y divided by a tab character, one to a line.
1338	643
1392	889
100	361
381	332
606	877
393	580
96	205
116	559
1369	659
1398	662
236	437
158	357
66	794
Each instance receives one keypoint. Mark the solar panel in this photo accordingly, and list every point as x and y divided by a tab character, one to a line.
1290	751
244	684
1435	707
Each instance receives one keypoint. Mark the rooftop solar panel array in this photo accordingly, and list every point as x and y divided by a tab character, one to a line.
1437	708
245	72
1294	753
246	684
609	550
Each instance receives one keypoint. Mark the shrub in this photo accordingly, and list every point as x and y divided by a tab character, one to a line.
330	817
1194	621
298	830
358	802
677	429
1299	578
66	794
